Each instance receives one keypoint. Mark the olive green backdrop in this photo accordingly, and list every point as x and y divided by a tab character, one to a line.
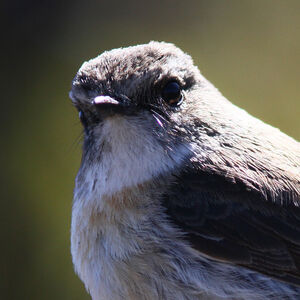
249	49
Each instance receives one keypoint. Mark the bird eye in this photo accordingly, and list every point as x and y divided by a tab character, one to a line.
171	94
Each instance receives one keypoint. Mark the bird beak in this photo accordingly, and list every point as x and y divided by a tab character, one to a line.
107	106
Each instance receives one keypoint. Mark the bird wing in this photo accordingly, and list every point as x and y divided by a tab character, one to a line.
234	219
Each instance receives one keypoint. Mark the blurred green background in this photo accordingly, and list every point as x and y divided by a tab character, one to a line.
249	49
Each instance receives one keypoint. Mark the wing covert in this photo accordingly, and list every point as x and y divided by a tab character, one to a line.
227	220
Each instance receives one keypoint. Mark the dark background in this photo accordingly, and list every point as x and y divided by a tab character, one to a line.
249	49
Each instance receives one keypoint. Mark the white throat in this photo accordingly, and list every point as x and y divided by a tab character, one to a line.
130	155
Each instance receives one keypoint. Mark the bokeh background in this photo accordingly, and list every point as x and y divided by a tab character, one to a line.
249	49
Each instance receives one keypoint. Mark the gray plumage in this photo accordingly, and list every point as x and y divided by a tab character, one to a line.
180	194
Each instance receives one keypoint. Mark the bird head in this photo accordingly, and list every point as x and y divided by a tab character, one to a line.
155	85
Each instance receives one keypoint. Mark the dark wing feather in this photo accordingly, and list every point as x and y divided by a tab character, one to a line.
231	220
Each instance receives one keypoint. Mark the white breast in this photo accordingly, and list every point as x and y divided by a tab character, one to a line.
130	156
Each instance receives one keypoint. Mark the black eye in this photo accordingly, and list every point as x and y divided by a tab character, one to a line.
82	118
171	94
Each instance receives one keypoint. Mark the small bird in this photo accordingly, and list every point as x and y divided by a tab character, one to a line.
180	194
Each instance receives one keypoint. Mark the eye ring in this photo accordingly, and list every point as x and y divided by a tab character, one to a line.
172	94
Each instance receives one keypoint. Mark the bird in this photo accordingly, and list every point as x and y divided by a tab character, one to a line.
180	194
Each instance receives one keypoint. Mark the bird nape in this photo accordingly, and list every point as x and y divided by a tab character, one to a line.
180	194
